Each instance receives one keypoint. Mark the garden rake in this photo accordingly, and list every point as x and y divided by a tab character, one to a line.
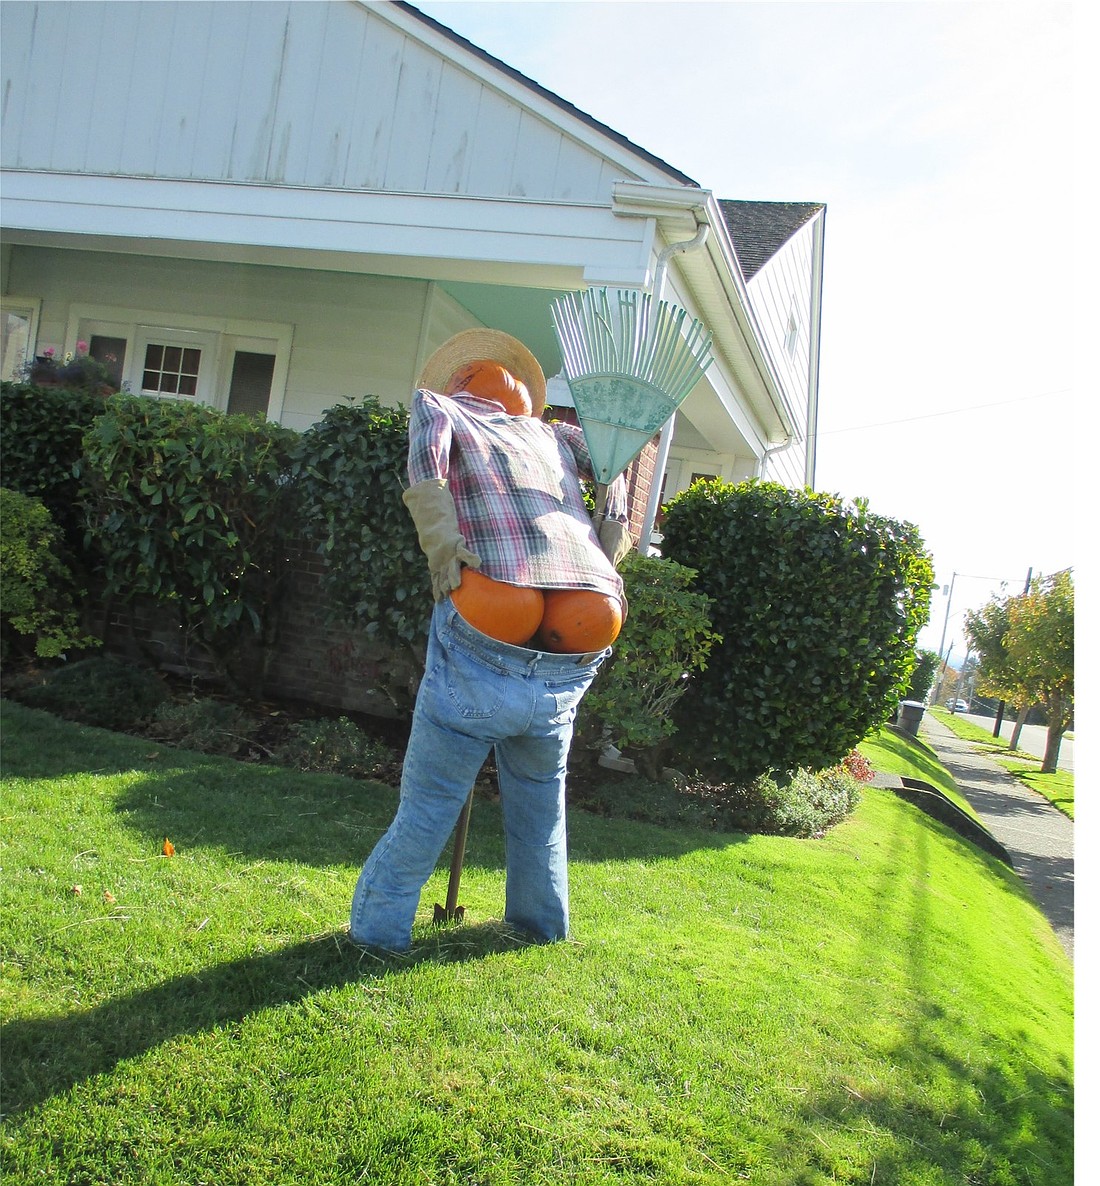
630	361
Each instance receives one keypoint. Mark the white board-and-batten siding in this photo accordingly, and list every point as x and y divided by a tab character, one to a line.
782	289
350	335
317	95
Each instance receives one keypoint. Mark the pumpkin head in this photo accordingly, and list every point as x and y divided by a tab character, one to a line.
575	621
489	380
508	613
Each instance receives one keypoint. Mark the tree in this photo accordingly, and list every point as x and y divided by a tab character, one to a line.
1026	644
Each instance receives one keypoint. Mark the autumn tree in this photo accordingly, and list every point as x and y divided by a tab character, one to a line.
1026	645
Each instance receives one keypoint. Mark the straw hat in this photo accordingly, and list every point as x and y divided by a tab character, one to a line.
495	345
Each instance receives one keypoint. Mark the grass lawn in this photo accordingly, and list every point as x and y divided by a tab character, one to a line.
1056	787
891	753
884	1005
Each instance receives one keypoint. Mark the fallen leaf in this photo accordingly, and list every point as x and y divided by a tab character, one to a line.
78	890
169	848
108	896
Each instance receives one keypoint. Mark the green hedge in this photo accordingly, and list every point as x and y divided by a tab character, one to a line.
819	603
41	441
190	507
350	471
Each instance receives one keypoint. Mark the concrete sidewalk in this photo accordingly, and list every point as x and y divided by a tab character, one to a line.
1037	836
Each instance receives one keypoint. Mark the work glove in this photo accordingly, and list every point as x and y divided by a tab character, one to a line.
433	511
615	540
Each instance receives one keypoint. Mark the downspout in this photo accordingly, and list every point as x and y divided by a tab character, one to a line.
665	444
770	453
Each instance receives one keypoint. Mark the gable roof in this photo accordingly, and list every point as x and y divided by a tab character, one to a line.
759	229
557	100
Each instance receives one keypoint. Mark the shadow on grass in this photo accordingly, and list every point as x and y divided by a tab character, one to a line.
47	1056
276	813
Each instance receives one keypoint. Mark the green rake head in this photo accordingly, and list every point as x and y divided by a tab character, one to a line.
630	362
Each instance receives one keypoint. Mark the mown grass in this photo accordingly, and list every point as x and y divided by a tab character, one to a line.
1057	788
882	1005
890	752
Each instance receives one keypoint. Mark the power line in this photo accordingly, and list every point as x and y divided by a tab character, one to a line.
950	412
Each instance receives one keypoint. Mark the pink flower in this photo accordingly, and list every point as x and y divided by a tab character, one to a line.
48	352
82	347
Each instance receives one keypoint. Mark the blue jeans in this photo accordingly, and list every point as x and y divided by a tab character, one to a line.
478	694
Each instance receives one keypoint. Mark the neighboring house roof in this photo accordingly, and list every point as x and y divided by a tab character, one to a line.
564	104
759	229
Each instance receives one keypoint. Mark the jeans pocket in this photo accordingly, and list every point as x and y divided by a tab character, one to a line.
476	691
567	695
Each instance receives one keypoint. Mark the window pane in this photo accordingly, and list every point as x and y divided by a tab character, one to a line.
15	344
171	370
250	386
112	353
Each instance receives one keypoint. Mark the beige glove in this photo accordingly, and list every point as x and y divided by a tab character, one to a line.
615	540
433	511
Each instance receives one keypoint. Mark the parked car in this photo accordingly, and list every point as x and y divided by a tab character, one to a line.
958	706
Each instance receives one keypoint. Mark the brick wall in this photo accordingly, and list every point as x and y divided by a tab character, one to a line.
310	659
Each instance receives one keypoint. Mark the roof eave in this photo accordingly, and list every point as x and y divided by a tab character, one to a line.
718	286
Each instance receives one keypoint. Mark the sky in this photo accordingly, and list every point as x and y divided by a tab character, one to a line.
941	137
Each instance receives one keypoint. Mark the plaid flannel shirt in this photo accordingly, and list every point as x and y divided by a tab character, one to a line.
516	484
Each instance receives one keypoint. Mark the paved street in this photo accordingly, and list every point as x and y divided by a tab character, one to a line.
1033	738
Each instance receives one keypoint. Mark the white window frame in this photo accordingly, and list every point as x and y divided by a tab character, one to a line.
219	338
31	308
205	343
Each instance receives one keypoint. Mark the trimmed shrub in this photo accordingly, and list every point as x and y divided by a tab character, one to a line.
37	590
204	724
802	804
665	639
41	441
334	747
349	472
819	604
101	691
922	677
189	507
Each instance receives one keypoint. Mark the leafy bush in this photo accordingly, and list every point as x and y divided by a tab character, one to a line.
334	747
41	441
801	804
37	591
188	506
100	691
204	724
923	676
350	470
665	638
818	603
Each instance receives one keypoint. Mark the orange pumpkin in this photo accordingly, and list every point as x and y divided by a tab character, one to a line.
508	613
490	380
575	621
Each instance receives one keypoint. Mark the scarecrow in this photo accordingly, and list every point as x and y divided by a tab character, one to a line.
527	605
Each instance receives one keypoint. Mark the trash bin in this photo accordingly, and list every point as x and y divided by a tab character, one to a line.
909	716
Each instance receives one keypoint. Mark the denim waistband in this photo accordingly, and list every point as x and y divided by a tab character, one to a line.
521	660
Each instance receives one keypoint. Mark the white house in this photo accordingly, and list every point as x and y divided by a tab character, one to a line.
273	206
